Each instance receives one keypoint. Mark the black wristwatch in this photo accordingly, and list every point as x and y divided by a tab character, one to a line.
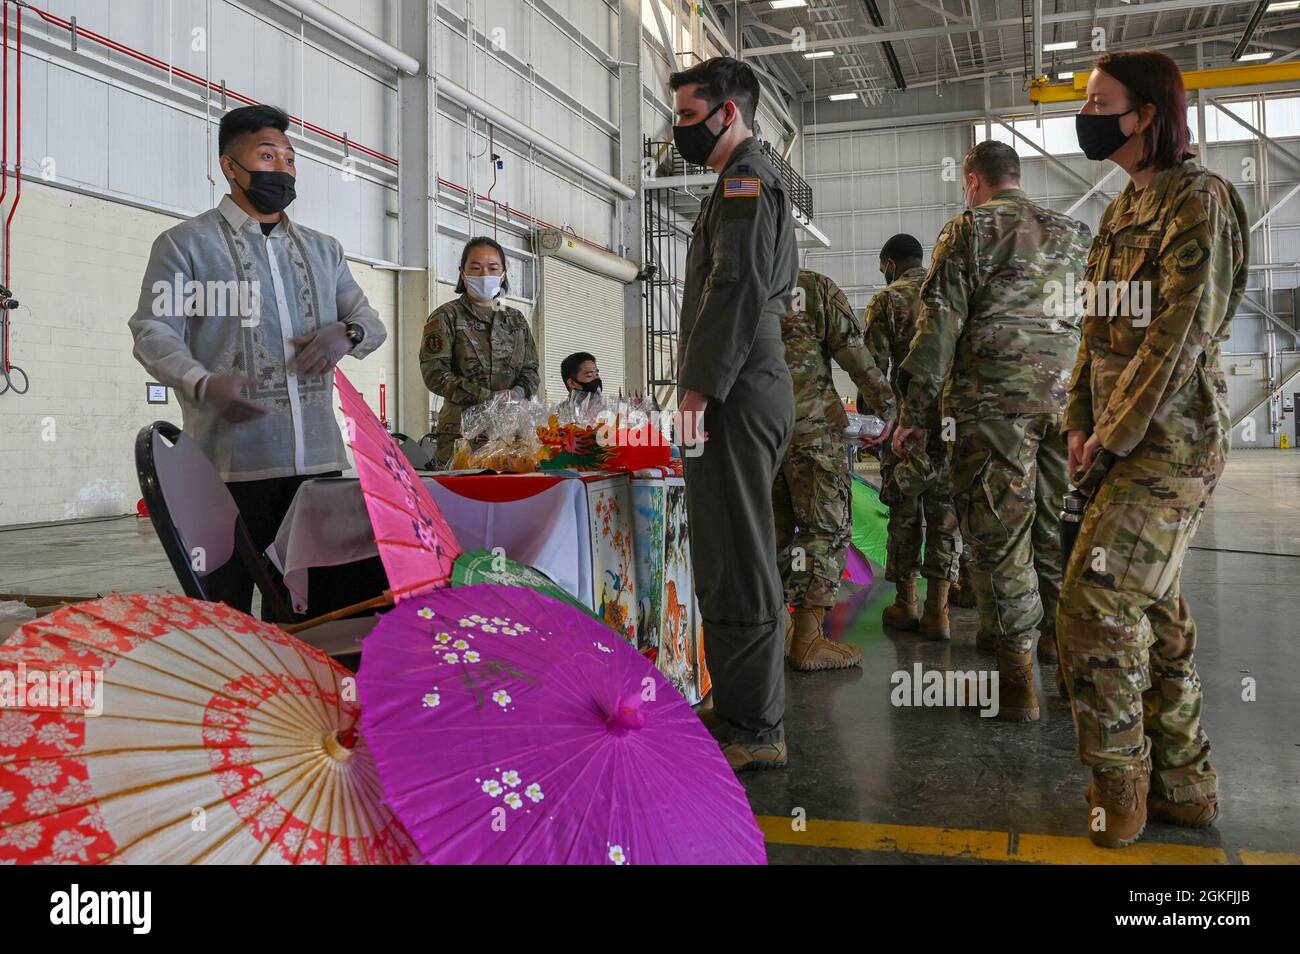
355	332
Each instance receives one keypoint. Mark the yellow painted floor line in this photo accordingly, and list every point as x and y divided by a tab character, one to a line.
1268	858
996	845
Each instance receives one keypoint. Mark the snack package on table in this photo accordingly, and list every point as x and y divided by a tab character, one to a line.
501	435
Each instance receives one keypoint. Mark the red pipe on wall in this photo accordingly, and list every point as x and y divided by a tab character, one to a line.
18	148
239	97
198	80
4	112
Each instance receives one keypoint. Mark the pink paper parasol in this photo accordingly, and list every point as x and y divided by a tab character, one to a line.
856	567
509	727
416	546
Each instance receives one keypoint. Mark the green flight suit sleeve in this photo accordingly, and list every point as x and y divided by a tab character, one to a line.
945	297
436	364
743	234
847	344
1202	261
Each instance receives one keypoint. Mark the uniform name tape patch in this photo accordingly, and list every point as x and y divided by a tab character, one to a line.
740	188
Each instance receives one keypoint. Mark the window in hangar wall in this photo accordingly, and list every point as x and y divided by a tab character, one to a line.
1056	135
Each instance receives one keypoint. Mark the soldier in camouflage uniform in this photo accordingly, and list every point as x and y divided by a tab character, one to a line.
1149	401
891	323
811	494
992	319
476	346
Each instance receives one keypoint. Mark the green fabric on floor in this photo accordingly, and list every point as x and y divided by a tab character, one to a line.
870	521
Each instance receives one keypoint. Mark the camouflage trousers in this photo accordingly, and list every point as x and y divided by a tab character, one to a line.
931	518
811	501
1126	636
1008	481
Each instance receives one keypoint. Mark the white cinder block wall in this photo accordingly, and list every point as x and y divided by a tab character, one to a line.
67	445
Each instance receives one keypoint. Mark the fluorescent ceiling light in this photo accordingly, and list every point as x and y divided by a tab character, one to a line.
788	4
1255	56
1288	5
1070	76
822	54
1063	45
837	97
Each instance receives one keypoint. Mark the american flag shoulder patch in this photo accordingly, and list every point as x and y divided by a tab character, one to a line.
740	188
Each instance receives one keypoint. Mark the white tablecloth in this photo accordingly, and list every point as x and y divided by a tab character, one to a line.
327	525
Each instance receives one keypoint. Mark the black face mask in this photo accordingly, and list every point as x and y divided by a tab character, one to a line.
270	192
1100	136
592	386
696	141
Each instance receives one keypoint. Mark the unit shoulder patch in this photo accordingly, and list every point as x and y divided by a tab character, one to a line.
1190	254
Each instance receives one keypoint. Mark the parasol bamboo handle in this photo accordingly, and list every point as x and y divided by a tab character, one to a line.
376	602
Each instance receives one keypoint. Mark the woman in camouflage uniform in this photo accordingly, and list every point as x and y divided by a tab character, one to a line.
1148	432
476	346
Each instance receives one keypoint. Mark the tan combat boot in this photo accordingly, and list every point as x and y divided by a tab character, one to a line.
963	591
810	652
1123	803
1198	814
1017	701
752	756
1047	649
903	613
934	621
709	716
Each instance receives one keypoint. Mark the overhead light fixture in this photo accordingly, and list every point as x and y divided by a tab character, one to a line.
1280	7
1063	45
788	4
839	97
822	54
1070	76
1255	56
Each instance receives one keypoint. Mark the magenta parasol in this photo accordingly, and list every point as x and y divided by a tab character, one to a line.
856	567
509	727
416	546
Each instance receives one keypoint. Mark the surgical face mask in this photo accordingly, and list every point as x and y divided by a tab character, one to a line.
270	192
889	275
592	386
697	141
969	196
1100	136
483	287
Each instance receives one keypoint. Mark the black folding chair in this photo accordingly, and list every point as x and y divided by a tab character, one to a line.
195	516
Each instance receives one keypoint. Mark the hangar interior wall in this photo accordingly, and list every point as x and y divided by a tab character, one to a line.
873	183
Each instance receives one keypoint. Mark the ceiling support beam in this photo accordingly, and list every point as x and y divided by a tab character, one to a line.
1073	16
1244	43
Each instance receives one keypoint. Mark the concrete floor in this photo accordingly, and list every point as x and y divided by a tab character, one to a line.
871	783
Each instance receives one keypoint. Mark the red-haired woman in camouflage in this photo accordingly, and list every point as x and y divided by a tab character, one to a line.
1148	433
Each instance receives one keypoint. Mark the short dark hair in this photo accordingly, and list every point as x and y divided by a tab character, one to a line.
570	365
1151	77
721	79
996	162
249	119
482	241
903	249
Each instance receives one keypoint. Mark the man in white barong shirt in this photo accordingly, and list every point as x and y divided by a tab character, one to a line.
245	313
